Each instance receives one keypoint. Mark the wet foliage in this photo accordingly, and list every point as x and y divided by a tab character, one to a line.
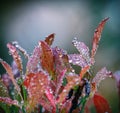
49	83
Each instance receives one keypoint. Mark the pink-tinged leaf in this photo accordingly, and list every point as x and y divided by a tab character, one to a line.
101	104
49	39
46	59
23	51
101	75
60	78
77	59
72	80
13	51
82	48
61	61
83	71
45	104
117	77
36	84
96	37
10	73
33	60
9	101
83	58
51	98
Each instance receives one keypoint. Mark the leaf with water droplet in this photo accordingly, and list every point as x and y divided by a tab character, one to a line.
101	75
33	60
22	50
10	73
101	104
96	38
13	51
51	98
9	101
83	58
35	89
3	90
46	59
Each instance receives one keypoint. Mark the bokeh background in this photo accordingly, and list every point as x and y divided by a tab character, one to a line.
28	21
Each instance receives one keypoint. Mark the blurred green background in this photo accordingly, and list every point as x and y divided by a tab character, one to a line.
28	21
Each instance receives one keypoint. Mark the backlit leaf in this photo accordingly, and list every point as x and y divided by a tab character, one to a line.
96	37
101	104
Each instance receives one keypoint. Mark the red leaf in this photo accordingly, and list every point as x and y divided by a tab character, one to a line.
49	39
101	104
46	59
96	38
13	51
36	84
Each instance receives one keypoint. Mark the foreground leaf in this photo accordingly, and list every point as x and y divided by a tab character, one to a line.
101	104
36	84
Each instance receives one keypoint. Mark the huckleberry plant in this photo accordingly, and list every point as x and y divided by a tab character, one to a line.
49	83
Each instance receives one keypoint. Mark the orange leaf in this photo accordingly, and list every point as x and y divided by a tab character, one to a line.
46	59
83	71
49	39
96	38
101	104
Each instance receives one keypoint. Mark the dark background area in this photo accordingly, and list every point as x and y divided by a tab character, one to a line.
30	21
